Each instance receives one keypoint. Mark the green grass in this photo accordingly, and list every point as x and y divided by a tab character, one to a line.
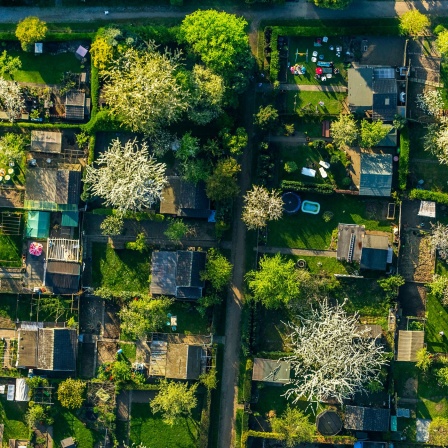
10	250
402	371
188	319
434	174
216	399
10	308
437	320
307	103
271	331
306	231
129	351
434	402
44	68
12	415
122	270
326	265
149	429
67	424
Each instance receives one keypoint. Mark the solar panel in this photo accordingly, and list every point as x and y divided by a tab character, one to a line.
384	73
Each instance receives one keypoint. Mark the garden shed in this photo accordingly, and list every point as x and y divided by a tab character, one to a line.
62	277
391	138
376	175
271	371
75	102
38	224
375	251
183	198
328	423
409	343
46	141
177	273
350	238
427	209
22	390
183	361
362	418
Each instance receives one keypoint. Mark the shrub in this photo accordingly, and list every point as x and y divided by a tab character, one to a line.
290	167
403	164
425	195
327	216
293	185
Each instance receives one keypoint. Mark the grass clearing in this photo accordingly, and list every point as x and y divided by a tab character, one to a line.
149	429
129	351
122	270
437	320
188	319
15	306
10	250
271	331
44	68
12	415
307	231
326	265
307	103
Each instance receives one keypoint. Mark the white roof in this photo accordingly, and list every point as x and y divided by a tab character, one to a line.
308	172
22	390
427	208
38	47
81	51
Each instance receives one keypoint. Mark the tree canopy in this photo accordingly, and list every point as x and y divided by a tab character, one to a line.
435	141
275	283
442	42
11	99
344	130
12	148
127	177
9	64
372	133
29	31
414	23
332	4
267	117
438	431
218	270
261	206
439	239
71	393
174	400
332	358
223	184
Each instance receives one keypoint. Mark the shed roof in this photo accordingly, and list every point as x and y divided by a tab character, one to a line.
75	101
328	423
366	419
81	51
374	259
376	174
70	219
409	343
391	139
428	209
183	361
350	238
27	348
62	277
46	141
271	371
183	198
360	92
38	224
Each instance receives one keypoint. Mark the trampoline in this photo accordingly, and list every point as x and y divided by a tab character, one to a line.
328	423
291	202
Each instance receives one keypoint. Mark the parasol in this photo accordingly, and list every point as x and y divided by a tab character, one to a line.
319	70
36	249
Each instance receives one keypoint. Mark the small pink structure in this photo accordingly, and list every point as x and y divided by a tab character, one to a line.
36	249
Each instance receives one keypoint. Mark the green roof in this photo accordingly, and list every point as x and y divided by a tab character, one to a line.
38	224
70	219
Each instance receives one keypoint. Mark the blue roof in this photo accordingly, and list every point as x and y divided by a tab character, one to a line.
38	224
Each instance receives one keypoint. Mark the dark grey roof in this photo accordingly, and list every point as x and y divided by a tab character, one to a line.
74	105
177	273
385	98
64	349
391	139
376	175
183	198
386	86
195	353
328	423
63	277
360	92
366	419
374	259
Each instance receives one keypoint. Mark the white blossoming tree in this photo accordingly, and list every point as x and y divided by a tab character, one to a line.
127	177
439	239
430	102
436	141
332	358
261	206
344	130
11	99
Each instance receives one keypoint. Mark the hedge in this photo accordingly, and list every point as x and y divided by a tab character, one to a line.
301	186
426	195
335	440
104	120
403	164
94	90
246	393
241	427
41	126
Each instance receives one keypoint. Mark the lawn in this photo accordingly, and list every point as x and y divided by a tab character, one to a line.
271	331
44	68
122	270
434	402
129	350
307	103
149	429
307	231
326	265
10	250
188	319
14	309
12	415
437	320
434	174
67	424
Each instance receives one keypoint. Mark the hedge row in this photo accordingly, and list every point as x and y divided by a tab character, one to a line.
94	90
241	428
426	195
403	164
274	67
294	185
335	440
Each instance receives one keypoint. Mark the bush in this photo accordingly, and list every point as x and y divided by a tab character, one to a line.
425	195
105	121
403	164
293	185
247	383
94	90
290	167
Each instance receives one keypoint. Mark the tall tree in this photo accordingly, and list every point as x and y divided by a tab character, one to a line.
276	283
414	23
267	117
11	99
29	31
332	358
435	141
127	177
439	239
391	285
71	393
12	148
372	133
218	270
442	42
439	288
430	102
174	400
221	41
294	427
344	130
142	89
9	64
438	431
261	206
223	184
139	317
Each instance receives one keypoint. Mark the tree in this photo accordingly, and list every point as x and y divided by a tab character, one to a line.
189	147
222	184
112	225
11	99
424	360
442	42
127	177
177	230
221	41
218	270
267	117
430	102
174	400
439	239
35	414
9	64
390	285
29	31
121	371
414	23
439	288
261	206
12	148
294	427
103	47
209	379
275	283
344	130
139	317
139	243
372	133
438	431
142	89
399	122
71	393
435	141
234	143
332	4
207	95
54	306
332	357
